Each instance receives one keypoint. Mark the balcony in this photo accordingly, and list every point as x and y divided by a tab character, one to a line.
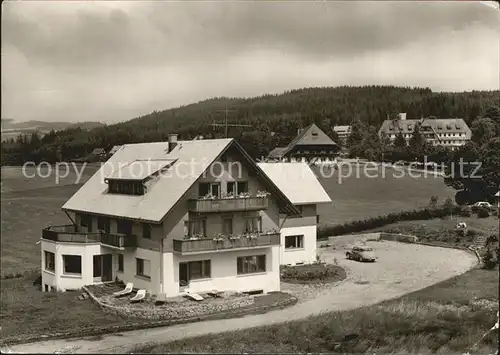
228	205
70	234
224	244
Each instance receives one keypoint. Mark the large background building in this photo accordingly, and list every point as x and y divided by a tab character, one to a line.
448	132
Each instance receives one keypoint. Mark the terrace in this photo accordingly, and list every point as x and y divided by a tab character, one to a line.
228	204
224	243
70	234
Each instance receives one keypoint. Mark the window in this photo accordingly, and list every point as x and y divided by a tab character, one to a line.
195	226
72	264
86	222
237	187
120	262
227	225
103	224
199	269
146	231
253	224
124	227
126	187
143	267
251	264
294	241
206	188
50	261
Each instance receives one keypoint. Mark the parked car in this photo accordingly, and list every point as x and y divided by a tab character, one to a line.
482	204
361	253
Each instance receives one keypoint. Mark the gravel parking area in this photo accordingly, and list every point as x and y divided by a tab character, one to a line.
401	268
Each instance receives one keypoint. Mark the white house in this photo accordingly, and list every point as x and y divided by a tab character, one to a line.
169	215
298	233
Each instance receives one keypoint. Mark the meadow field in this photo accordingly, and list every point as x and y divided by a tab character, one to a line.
31	203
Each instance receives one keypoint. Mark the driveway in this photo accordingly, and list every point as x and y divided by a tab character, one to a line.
400	269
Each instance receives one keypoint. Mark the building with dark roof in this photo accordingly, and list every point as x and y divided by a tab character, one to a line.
310	145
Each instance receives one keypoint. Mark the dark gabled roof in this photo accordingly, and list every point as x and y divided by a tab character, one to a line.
311	135
276	152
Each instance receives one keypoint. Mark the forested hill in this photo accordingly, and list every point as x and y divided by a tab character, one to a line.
281	114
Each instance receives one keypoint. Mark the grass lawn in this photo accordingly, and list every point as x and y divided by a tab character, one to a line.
359	197
442	231
443	318
26	310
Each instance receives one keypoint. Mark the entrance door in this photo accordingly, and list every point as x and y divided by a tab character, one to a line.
183	274
97	267
103	267
107	267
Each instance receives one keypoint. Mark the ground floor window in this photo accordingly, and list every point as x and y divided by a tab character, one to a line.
120	262
251	264
50	261
72	264
193	270
294	241
143	267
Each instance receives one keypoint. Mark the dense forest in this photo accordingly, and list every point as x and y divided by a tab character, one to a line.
274	119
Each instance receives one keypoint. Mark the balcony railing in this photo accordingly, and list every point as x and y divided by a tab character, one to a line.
228	204
70	234
204	245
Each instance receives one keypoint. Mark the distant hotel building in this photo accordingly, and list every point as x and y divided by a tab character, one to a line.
311	145
343	133
448	132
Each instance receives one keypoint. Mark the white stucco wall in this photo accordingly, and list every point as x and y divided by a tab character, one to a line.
129	269
58	278
307	254
224	272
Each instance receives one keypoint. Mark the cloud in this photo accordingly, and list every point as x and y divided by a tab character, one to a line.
115	60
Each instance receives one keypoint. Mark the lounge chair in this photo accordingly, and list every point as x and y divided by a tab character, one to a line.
161	299
193	296
215	293
128	289
139	296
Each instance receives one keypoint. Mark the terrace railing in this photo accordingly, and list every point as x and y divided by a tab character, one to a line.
204	245
70	234
228	204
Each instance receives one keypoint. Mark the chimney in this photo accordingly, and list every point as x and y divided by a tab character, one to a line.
172	141
402	116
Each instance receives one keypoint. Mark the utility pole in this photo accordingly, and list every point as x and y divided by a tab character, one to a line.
226	124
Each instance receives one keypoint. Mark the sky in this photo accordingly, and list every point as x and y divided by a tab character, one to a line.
111	61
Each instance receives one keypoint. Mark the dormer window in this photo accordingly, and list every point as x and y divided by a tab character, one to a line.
448	126
125	187
130	179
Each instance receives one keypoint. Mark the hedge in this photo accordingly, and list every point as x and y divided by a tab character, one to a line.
362	225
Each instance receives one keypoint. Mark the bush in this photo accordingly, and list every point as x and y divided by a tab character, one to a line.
489	260
483	213
313	272
466	211
381	221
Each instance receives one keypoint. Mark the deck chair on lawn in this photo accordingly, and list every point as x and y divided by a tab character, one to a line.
139	296
161	299
193	296
128	289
